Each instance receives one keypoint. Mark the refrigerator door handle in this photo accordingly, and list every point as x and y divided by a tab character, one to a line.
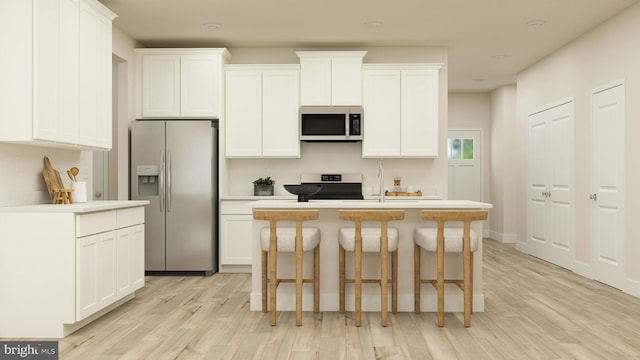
161	181
169	181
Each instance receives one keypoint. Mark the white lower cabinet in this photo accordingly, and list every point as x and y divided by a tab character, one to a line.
69	265
95	273
235	236
110	264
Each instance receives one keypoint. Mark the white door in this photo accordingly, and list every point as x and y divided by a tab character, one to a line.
465	165
608	171
550	184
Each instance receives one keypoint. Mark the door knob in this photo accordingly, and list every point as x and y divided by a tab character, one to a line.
98	194
593	197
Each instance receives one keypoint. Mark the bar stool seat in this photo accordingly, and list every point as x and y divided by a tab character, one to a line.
427	239
274	239
370	239
382	239
441	240
286	239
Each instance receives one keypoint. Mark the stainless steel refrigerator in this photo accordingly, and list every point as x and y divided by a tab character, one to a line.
174	166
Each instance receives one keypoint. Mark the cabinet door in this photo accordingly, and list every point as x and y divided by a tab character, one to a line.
280	104
382	117
346	81
199	82
315	81
419	113
95	78
160	86
236	239
69	73
243	123
129	260
95	273
46	70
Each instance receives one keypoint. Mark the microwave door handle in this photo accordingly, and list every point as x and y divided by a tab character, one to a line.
347	122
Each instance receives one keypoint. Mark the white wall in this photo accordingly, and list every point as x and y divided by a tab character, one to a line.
503	159
124	113
430	175
608	53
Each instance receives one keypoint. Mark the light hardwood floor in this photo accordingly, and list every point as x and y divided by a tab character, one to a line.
534	310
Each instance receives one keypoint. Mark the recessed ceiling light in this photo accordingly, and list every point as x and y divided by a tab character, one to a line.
536	23
212	26
373	24
499	57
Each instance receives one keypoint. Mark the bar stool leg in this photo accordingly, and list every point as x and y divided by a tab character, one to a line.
299	274
273	281
466	248
341	254
440	271
416	278
384	274
394	285
358	277
264	280
316	279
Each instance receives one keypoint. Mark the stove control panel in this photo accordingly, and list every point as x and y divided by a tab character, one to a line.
331	177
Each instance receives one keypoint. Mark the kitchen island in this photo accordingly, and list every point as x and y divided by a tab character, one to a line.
329	225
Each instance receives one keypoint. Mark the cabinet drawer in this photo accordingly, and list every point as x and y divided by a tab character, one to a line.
129	217
235	207
94	223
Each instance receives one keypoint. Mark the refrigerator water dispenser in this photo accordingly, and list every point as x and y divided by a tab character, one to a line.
147	179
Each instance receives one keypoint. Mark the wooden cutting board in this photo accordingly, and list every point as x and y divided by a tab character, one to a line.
54	184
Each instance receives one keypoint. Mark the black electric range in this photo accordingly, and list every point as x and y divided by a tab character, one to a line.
335	186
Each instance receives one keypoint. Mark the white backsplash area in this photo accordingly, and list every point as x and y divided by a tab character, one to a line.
21	180
428	175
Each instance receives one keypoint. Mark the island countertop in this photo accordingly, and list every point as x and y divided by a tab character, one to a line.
369	204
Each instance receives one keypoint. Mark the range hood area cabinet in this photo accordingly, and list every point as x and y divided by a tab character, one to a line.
179	83
56	84
401	110
330	78
261	111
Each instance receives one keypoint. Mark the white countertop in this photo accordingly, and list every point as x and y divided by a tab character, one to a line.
85	207
370	204
294	197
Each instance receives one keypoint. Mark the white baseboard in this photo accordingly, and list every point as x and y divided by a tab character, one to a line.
522	247
583	269
632	287
503	238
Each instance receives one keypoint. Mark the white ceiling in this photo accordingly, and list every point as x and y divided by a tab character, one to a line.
474	31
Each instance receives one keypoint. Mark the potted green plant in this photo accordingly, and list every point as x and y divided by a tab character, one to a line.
263	186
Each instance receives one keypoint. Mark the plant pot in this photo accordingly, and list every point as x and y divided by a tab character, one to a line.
263	190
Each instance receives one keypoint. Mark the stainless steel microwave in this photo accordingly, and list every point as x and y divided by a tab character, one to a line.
331	123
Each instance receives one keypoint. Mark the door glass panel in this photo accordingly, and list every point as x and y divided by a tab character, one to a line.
467	149
456	145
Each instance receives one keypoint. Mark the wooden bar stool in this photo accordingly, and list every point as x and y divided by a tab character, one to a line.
298	239
359	240
443	240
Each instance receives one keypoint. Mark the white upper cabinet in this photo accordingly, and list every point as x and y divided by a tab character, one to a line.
331	77
179	83
56	86
401	110
261	107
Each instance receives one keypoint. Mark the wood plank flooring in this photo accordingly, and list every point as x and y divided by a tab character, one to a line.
534	310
